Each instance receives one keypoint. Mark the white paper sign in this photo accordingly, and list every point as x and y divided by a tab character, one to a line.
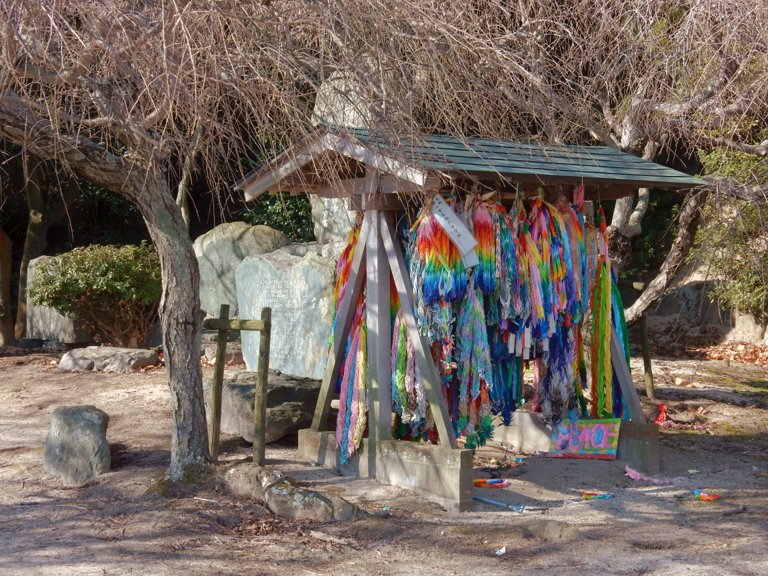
527	343
470	258
457	231
453	226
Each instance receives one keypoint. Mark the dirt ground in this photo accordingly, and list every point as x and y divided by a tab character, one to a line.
717	443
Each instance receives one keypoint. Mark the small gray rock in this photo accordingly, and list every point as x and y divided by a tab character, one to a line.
244	481
76	449
107	359
295	503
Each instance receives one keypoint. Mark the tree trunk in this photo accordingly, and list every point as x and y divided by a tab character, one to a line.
36	239
622	210
688	224
47	205
6	316
627	219
180	319
180	304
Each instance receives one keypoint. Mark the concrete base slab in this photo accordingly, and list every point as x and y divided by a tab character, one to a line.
639	446
440	474
321	447
638	442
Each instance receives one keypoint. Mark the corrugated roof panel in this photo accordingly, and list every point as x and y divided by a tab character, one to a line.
526	159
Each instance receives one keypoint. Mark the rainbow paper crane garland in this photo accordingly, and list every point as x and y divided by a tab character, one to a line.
353	402
540	271
353	374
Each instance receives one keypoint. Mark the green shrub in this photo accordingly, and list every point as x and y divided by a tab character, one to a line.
733	238
291	215
114	289
733	243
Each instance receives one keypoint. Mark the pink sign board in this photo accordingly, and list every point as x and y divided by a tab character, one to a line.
596	439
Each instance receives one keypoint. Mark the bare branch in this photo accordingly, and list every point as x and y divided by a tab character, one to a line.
755	149
687	225
182	192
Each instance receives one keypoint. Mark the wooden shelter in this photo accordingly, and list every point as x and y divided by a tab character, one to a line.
380	176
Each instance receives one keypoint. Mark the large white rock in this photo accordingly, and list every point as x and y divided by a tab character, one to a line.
331	218
220	251
299	289
44	323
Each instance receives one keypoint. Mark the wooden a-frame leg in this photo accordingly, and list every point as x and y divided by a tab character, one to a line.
624	376
344	316
377	307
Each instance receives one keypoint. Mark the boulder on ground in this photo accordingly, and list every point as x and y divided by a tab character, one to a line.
76	449
290	404
284	497
107	359
220	251
689	302
296	282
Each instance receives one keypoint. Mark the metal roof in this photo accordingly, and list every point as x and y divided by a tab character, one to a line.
418	158
521	159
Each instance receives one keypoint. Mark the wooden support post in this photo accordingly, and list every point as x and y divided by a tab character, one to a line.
645	349
260	393
218	383
379	334
624	376
344	316
432	384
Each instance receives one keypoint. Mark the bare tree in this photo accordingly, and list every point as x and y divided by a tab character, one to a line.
6	318
117	91
48	195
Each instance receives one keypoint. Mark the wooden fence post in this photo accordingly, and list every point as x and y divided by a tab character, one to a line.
260	393
645	348
218	382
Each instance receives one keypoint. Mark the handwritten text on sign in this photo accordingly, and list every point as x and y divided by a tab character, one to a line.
597	439
457	231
